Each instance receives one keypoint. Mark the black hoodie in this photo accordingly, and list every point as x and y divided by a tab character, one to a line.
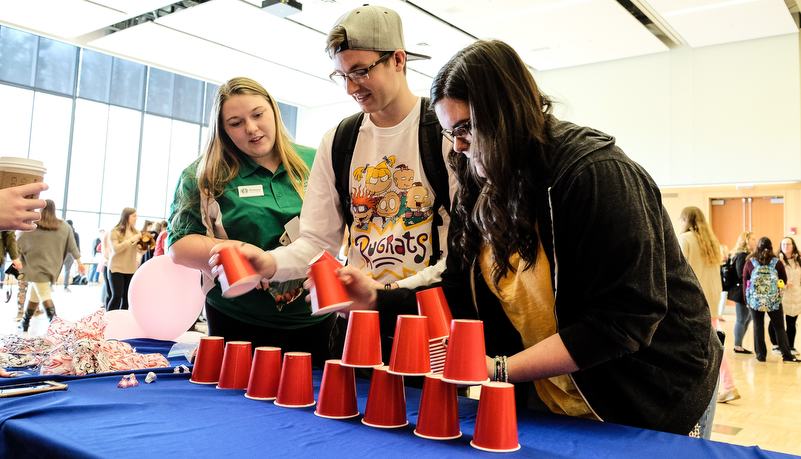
628	307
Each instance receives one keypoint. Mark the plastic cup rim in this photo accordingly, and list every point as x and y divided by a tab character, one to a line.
332	308
431	437
203	382
465	382
357	365
283	405
231	388
259	398
494	450
370	424
316	413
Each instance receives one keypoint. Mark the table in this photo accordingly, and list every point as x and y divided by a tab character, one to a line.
173	418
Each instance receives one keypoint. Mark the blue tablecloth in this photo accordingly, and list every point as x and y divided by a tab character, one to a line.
173	418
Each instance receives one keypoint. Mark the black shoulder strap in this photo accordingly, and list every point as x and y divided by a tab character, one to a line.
430	141
341	155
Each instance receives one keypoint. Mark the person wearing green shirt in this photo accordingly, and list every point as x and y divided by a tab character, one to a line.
247	185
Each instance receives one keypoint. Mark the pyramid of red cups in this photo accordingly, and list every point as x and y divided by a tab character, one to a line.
448	353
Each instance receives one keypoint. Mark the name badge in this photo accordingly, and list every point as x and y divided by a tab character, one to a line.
250	191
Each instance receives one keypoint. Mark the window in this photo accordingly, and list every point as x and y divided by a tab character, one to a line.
188	99
18	56
88	156
56	66
50	140
159	92
122	158
95	81
127	84
15	120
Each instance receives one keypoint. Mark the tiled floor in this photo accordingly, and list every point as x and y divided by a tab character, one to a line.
767	415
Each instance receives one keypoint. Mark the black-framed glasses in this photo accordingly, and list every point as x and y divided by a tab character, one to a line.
357	76
459	132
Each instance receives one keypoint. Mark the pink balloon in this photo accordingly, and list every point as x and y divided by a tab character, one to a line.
165	298
122	325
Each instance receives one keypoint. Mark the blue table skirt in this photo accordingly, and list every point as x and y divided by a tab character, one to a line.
173	418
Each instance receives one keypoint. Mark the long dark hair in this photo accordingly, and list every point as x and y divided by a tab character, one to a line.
764	252
509	116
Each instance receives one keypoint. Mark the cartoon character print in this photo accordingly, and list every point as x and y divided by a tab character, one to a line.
403	179
363	206
376	179
388	207
418	203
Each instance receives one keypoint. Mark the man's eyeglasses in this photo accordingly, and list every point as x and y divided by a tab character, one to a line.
460	132
357	76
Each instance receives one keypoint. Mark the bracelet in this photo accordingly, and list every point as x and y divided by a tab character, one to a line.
497	368
505	370
387	286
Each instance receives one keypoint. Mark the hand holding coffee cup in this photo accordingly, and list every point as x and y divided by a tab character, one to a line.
18	211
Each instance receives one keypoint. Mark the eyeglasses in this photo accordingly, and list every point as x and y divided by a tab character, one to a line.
459	132
356	76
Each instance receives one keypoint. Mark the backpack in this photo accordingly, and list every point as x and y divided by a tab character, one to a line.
728	276
762	293
430	144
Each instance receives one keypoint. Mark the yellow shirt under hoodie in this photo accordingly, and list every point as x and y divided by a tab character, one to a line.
527	298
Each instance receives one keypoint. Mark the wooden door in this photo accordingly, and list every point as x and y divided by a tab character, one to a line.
728	219
764	215
767	215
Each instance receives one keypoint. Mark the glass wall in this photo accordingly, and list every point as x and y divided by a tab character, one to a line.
112	133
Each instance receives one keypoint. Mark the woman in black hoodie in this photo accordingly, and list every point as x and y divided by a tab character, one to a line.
560	244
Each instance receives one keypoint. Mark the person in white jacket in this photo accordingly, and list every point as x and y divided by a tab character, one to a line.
791	295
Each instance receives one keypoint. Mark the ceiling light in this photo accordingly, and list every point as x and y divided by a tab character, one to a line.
281	8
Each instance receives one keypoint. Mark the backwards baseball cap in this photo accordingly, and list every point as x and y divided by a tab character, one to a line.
373	28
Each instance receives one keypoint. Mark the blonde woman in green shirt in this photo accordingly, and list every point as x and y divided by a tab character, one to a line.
247	185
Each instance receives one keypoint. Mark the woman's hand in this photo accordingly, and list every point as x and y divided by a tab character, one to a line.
361	289
262	261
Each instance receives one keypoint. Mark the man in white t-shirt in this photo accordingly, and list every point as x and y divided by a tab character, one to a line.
391	199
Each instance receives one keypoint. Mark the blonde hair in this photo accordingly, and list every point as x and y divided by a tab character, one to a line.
220	162
742	243
693	220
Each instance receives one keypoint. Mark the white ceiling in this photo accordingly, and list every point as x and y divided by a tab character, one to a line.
220	39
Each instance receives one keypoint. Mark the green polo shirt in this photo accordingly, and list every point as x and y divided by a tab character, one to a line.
254	208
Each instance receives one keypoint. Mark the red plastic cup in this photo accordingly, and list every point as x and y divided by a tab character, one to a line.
265	373
496	421
410	355
324	255
386	401
327	292
208	360
438	350
438	418
296	390
362	341
337	399
432	304
466	358
235	370
237	276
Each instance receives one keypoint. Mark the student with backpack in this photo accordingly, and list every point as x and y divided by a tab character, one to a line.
761	289
381	173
